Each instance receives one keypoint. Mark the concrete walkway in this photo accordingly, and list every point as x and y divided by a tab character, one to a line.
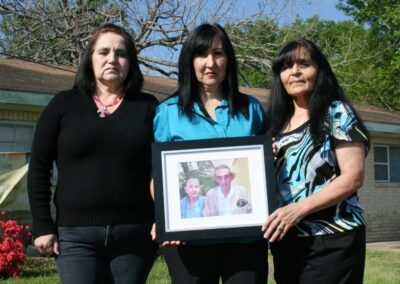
391	246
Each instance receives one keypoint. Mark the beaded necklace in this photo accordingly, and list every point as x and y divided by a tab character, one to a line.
102	109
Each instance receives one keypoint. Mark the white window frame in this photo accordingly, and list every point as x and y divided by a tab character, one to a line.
384	164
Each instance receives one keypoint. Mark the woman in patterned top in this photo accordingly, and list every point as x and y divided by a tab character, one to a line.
318	234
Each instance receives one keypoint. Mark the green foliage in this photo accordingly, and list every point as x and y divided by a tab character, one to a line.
381	18
364	63
255	45
203	170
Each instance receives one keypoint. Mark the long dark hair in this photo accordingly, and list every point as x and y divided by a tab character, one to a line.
198	42
326	90
85	80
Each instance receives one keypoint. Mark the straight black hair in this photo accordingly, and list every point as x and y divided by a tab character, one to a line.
326	90
85	80
198	42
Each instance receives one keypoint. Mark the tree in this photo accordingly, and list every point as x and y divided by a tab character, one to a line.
342	43
383	16
57	31
382	20
355	54
51	31
365	55
256	44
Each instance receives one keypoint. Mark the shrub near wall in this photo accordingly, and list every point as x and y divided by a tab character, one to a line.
12	249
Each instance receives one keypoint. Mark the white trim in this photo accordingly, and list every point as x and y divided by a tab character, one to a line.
387	164
379	127
24	98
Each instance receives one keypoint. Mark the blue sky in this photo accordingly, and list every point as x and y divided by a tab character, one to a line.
325	9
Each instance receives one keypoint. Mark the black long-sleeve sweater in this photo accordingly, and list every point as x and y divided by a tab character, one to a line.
103	164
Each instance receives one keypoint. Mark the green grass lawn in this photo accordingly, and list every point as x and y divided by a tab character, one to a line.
382	267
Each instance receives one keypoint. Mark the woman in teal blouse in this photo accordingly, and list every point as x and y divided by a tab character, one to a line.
207	105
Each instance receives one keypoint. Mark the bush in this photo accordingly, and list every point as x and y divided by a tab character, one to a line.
12	249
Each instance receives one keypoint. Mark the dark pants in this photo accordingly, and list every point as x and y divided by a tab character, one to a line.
105	254
329	259
233	263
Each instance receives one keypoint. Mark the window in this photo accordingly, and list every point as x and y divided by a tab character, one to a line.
387	163
15	137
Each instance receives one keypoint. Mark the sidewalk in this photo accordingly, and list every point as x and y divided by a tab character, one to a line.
392	246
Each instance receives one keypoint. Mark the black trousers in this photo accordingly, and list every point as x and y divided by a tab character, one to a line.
233	263
121	253
329	259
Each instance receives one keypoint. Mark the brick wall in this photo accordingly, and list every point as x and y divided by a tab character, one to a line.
381	201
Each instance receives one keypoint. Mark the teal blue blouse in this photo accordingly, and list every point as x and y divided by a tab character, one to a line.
303	168
171	125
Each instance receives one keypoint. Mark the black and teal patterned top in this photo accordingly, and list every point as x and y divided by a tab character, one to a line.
303	169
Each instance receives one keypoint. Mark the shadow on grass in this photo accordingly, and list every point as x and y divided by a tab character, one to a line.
39	266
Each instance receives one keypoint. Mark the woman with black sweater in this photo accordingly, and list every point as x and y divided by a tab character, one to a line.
99	135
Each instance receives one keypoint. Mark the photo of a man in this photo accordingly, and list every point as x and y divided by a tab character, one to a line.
226	198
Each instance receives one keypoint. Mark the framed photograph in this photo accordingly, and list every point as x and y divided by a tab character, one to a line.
213	188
